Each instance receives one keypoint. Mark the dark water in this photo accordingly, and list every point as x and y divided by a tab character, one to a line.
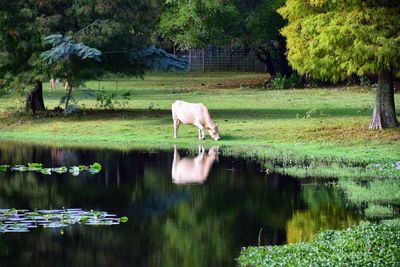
194	219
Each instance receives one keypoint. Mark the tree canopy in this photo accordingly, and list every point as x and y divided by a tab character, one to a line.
253	25
335	39
110	26
197	23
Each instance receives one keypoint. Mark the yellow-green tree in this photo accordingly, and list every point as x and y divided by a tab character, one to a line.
333	39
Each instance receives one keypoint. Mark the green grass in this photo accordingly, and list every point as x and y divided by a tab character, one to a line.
362	245
378	211
375	191
299	127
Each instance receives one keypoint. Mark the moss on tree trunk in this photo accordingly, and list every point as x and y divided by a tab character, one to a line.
384	115
34	101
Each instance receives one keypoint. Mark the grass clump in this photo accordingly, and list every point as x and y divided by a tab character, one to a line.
378	211
376	198
362	245
374	191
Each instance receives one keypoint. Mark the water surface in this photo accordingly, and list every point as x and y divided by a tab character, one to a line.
183	209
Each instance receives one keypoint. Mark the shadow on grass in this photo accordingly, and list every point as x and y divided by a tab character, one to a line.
91	94
220	115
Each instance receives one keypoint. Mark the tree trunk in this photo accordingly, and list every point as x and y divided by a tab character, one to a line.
68	97
267	60
384	115
34	101
285	69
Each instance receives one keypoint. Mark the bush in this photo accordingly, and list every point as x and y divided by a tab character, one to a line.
110	101
365	81
283	82
362	245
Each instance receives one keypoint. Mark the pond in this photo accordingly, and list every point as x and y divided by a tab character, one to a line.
183	208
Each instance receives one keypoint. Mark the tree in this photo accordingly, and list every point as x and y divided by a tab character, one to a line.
197	23
115	27
259	30
20	43
333	40
254	25
66	58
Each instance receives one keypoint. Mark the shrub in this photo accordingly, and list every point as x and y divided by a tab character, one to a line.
284	82
110	101
362	245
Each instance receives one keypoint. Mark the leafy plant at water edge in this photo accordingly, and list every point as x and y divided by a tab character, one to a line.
362	245
386	169
376	198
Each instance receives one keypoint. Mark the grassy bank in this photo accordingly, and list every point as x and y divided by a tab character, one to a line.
300	128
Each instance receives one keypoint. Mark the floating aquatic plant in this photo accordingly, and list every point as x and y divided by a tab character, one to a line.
4	168
20	220
38	167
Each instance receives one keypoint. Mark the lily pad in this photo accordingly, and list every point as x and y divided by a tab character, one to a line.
62	169
4	168
96	166
38	167
13	220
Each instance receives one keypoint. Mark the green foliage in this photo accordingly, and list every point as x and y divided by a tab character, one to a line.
378	211
283	82
363	245
247	25
4	167
335	39
65	48
365	81
96	166
159	59
376	198
20	44
385	169
115	27
38	167
260	20
197	23
20	221
108	100
385	191
105	100
123	219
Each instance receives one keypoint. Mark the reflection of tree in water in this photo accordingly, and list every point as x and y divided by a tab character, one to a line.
326	210
60	156
209	229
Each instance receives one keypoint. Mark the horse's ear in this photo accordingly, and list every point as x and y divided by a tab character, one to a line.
216	125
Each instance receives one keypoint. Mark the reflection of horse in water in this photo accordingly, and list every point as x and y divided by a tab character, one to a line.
193	170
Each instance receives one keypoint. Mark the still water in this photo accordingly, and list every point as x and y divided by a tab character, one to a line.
184	209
